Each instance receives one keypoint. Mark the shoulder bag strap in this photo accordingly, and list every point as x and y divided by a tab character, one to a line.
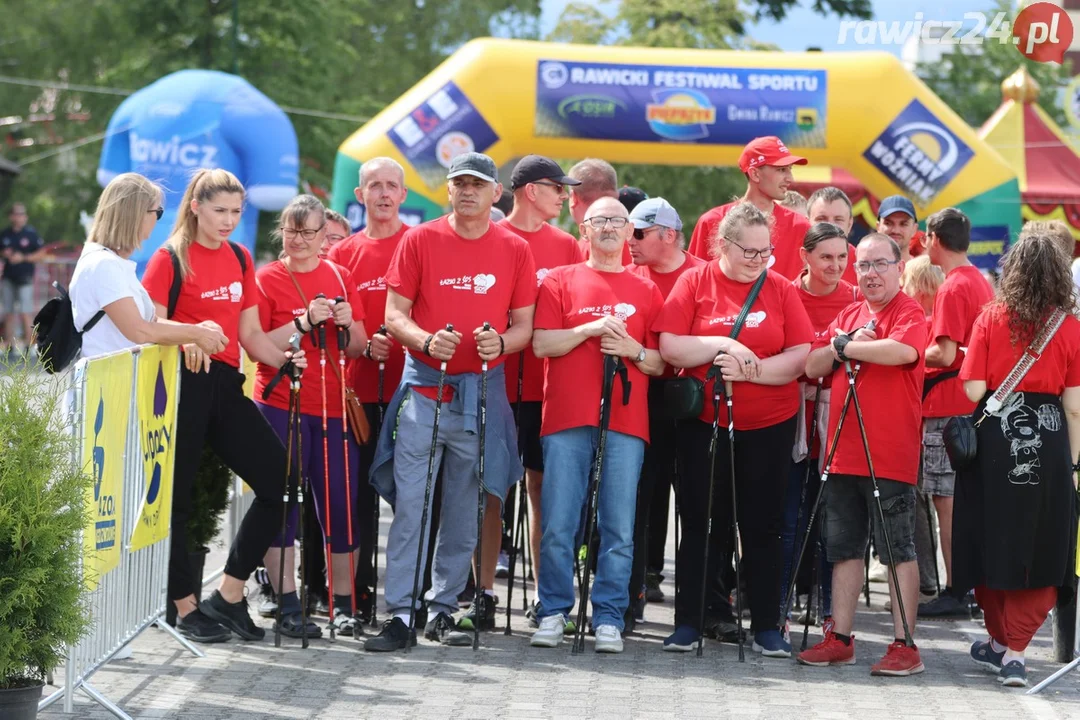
177	281
746	306
1026	362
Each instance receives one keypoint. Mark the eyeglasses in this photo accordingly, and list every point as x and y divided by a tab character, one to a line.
332	239
159	211
639	233
880	266
307	233
599	222
559	187
751	254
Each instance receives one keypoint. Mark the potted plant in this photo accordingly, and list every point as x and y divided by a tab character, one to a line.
209	498
43	606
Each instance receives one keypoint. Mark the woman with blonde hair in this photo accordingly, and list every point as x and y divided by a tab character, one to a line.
199	275
920	281
104	280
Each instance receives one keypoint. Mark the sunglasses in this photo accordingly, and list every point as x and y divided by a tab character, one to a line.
159	211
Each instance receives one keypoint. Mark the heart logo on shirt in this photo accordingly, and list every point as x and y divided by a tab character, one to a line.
482	283
540	275
236	291
755	319
772	261
624	310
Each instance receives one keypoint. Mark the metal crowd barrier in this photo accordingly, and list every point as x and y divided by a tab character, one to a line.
131	596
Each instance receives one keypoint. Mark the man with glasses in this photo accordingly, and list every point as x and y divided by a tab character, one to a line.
21	247
889	361
540	190
584	312
766	162
656	247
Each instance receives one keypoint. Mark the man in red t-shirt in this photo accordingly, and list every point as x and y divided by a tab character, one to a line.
957	304
459	270
584	312
897	219
596	179
366	255
832	205
540	190
656	246
889	366
766	162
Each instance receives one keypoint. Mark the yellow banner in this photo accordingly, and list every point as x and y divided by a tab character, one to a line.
156	404
105	423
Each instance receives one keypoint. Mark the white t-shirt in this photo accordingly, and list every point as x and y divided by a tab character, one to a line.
101	278
1076	273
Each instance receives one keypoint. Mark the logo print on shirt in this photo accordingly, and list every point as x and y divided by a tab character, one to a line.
755	319
482	283
540	275
772	261
236	291
373	285
624	311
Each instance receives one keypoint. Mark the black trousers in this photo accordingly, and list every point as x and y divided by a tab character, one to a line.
366	499
214	409
762	464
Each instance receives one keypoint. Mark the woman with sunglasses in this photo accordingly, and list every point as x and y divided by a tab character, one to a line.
104	278
288	303
762	365
199	276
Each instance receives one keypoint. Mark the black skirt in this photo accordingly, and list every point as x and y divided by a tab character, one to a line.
1014	513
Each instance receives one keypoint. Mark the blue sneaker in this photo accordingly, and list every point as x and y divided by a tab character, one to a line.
684	639
985	657
771	644
1013	674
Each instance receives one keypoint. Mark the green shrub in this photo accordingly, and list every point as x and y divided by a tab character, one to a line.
209	498
43	606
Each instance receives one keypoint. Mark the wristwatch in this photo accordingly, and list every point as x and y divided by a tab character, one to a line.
641	355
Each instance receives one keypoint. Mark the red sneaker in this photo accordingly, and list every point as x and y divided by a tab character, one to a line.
829	651
899	661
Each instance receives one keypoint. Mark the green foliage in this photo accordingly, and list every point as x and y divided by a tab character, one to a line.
42	492
969	78
209	498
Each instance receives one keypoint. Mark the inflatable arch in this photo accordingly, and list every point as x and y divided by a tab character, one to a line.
862	112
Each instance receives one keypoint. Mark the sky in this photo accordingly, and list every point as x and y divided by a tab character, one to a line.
803	27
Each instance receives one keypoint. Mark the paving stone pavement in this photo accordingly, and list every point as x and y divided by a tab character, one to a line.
508	679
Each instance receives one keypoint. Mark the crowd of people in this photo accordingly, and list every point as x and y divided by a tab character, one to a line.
794	389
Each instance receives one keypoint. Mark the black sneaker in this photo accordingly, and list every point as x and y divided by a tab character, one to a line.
196	627
365	605
394	636
653	593
233	616
945	605
444	631
487	614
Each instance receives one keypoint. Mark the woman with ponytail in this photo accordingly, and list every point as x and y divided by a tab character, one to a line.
199	276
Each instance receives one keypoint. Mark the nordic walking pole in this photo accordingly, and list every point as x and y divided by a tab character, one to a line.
481	502
427	494
715	376
320	329
877	499
933	540
514	536
802	493
735	522
815	579
300	509
294	409
375	519
611	365
343	342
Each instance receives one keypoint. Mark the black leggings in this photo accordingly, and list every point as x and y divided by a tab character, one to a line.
214	409
762	464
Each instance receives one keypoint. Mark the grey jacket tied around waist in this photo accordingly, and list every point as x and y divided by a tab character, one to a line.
502	466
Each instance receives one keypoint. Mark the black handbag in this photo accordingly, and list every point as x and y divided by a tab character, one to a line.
960	434
684	396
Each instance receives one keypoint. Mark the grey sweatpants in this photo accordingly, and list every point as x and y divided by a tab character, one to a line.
457	526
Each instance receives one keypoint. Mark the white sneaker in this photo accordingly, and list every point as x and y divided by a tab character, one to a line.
550	633
879	573
608	639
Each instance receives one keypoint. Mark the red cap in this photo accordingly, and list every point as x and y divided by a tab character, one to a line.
769	150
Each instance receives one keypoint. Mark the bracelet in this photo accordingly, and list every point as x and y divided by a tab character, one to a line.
427	345
502	345
309	322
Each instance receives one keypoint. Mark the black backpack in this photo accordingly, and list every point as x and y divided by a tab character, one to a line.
178	280
58	341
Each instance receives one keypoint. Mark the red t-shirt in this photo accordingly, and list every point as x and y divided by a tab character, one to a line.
463	282
367	260
890	396
1058	367
705	301
586	250
576	295
787	231
280	304
665	282
551	248
958	302
214	290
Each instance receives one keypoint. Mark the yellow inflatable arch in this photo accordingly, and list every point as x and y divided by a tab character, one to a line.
859	111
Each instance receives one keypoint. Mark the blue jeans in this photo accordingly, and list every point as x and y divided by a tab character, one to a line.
790	534
568	465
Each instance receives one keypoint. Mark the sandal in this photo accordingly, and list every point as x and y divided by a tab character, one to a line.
291	626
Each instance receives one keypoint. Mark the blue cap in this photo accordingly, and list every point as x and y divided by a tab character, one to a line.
894	204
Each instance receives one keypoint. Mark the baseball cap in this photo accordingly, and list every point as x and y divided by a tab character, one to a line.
894	204
630	197
655	211
768	150
475	164
537	167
